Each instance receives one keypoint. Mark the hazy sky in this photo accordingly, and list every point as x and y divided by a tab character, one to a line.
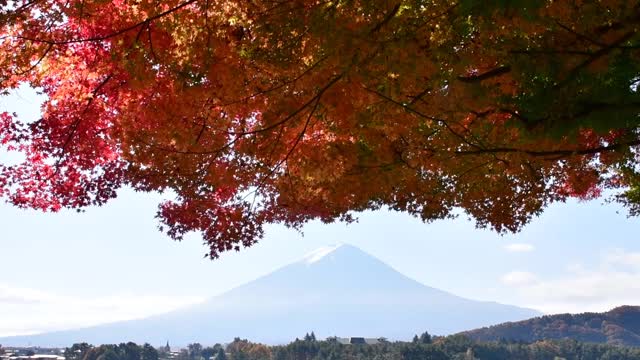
67	269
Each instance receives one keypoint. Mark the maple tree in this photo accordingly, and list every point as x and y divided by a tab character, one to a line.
259	111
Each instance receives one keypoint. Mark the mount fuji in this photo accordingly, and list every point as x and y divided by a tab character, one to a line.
334	291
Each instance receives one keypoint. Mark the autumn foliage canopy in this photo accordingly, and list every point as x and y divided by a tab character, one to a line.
259	111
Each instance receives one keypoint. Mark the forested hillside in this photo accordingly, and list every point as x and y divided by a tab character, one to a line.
620	326
455	347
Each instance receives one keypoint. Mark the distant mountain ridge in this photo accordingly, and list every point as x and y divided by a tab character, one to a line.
334	291
620	326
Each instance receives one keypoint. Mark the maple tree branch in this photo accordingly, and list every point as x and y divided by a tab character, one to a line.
74	127
420	95
204	123
153	52
590	107
44	54
422	115
387	18
16	11
596	55
275	143
277	166
481	150
279	86
579	35
556	154
550	52
76	123
216	152
486	75
406	107
294	113
587	108
473	168
113	34
374	166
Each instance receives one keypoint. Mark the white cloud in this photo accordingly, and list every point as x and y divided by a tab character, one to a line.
519	247
613	282
620	258
519	278
28	311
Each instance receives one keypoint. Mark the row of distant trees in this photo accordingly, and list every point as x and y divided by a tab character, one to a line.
196	351
455	347
132	351
423	347
123	351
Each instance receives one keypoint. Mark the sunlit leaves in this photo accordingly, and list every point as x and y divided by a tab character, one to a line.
282	112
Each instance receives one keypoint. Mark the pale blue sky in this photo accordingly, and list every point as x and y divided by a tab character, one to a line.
70	269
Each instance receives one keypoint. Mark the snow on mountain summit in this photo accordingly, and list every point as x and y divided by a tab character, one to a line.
318	254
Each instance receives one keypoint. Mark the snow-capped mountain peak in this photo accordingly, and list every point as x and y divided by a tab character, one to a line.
334	290
318	254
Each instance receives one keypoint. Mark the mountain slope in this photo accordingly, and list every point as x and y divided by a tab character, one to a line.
620	326
338	290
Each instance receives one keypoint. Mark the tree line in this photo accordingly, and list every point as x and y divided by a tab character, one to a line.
422	347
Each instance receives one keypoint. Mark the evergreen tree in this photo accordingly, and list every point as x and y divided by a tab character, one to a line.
425	338
149	352
76	351
195	351
208	352
221	354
